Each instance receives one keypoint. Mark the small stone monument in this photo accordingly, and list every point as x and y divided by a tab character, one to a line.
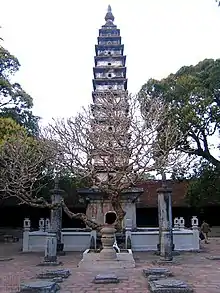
41	224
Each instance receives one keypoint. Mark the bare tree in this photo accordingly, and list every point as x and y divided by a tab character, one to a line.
111	143
24	162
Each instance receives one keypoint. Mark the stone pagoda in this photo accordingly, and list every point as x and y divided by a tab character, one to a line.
109	77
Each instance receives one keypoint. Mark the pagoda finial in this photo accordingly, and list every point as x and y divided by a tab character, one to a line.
109	16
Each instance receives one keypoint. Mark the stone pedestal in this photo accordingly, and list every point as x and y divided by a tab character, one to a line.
92	261
165	223
107	258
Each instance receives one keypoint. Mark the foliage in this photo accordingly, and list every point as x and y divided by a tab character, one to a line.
24	162
14	101
192	97
9	128
204	186
67	182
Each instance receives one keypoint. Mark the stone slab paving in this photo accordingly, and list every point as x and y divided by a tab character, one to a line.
194	268
157	271
169	286
106	279
39	287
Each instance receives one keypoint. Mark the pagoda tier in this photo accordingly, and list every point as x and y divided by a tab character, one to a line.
109	50
103	60
106	84
109	78
110	70
104	32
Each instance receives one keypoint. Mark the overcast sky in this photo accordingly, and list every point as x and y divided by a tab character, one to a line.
54	41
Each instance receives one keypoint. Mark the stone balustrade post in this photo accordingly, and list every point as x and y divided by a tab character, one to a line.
195	222
41	224
47	225
195	228
165	223
176	223
27	228
181	223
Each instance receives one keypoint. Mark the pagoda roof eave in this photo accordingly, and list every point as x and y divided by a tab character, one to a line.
109	37
110	57
110	80
113	28
107	68
98	46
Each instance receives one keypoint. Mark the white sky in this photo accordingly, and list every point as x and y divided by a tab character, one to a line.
54	41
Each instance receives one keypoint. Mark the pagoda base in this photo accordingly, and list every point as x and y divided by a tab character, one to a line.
92	260
99	205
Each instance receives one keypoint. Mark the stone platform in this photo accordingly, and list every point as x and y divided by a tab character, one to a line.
90	259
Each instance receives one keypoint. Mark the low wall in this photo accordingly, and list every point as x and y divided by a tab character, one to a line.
183	239
76	241
73	241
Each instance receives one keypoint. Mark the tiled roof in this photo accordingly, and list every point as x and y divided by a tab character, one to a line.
149	197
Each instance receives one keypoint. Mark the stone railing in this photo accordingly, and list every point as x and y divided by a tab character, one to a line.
143	239
146	239
35	241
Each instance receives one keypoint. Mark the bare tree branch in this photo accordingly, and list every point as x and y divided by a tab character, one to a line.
111	143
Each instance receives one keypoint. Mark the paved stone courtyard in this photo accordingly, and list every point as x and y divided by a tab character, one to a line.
195	268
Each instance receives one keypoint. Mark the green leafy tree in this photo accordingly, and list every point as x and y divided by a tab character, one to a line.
192	96
14	101
9	128
204	186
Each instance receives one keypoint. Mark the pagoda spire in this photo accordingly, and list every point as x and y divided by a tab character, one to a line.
109	16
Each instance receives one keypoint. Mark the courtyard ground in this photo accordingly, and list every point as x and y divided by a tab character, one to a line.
195	268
